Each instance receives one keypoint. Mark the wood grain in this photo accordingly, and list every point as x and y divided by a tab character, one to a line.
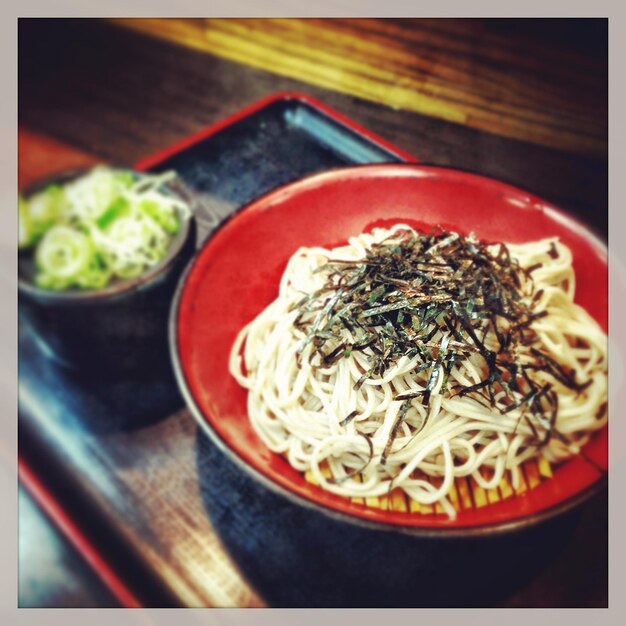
40	156
113	93
456	70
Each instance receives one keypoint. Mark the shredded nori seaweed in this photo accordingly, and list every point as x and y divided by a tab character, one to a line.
410	286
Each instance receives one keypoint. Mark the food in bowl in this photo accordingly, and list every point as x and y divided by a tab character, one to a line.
406	359
108	224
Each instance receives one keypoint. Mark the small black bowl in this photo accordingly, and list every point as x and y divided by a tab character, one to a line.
119	330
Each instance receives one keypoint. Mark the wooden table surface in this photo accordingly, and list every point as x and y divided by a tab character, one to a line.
522	101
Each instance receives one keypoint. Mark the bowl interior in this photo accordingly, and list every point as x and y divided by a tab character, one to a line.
236	275
26	261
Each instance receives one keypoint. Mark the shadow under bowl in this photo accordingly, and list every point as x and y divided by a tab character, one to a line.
299	557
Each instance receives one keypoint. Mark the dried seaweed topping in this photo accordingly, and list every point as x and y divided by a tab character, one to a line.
414	287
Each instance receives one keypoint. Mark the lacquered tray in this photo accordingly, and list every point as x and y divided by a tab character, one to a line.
119	464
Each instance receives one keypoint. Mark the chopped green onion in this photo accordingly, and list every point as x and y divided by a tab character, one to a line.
117	208
107	224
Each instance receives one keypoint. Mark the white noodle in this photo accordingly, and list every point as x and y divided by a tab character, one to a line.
297	410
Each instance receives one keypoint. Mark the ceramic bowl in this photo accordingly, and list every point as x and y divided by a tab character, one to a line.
117	330
235	276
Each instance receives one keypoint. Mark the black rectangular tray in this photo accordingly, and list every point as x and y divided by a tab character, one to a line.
120	458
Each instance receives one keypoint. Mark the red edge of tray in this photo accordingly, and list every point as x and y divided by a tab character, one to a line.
72	532
573	479
186	142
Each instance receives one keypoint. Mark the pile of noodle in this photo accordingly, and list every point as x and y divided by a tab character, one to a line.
298	406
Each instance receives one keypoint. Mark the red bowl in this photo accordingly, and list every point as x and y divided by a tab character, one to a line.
236	275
